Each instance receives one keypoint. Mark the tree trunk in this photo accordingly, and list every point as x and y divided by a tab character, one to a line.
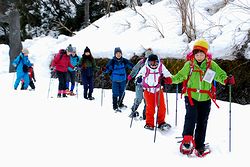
86	13
14	37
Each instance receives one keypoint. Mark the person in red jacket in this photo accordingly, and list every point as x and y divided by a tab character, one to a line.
60	64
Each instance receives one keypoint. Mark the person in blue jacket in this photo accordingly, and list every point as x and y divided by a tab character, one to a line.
71	76
117	66
22	63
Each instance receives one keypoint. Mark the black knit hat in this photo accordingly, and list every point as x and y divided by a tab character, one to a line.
152	57
86	49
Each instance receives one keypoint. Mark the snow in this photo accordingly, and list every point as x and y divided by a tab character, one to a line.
37	130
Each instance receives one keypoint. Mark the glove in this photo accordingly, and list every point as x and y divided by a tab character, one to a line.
52	68
139	80
129	77
230	80
75	68
168	80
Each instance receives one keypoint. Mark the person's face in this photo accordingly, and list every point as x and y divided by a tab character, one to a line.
199	56
87	53
73	53
25	54
69	53
153	64
118	55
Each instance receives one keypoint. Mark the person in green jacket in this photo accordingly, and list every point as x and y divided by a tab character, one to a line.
197	76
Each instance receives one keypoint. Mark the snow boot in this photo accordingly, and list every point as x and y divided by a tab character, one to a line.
59	95
91	98
64	95
187	145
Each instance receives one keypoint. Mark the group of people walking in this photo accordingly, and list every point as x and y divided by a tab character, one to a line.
150	75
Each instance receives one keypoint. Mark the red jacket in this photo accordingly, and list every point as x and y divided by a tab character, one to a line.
62	63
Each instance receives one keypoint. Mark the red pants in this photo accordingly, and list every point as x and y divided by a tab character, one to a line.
151	107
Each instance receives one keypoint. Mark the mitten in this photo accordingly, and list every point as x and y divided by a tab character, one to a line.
168	80
129	77
230	80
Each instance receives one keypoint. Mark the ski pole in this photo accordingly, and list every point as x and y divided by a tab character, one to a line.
176	104
230	121
49	86
166	89
157	102
102	78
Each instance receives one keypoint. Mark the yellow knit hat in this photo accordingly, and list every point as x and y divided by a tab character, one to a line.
201	44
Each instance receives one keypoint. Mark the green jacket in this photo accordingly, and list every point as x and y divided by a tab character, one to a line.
194	80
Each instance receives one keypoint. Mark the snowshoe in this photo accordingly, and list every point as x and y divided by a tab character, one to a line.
67	92
148	127
164	126
187	145
134	114
202	152
117	110
72	93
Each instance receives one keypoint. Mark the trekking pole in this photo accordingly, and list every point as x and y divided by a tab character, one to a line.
230	98
157	102
166	89
77	89
176	104
49	86
123	93
132	118
102	78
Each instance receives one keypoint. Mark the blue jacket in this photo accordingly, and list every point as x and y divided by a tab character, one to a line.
74	60
19	61
118	67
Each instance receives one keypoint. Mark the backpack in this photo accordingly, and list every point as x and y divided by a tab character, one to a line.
185	89
144	84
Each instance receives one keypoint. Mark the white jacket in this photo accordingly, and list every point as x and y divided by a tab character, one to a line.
152	80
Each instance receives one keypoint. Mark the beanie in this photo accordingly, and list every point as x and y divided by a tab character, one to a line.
69	48
25	51
152	57
74	49
201	44
117	49
86	49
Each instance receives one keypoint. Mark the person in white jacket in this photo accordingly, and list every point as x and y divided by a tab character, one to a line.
152	74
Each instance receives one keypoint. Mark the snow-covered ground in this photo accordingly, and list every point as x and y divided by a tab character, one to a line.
39	131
